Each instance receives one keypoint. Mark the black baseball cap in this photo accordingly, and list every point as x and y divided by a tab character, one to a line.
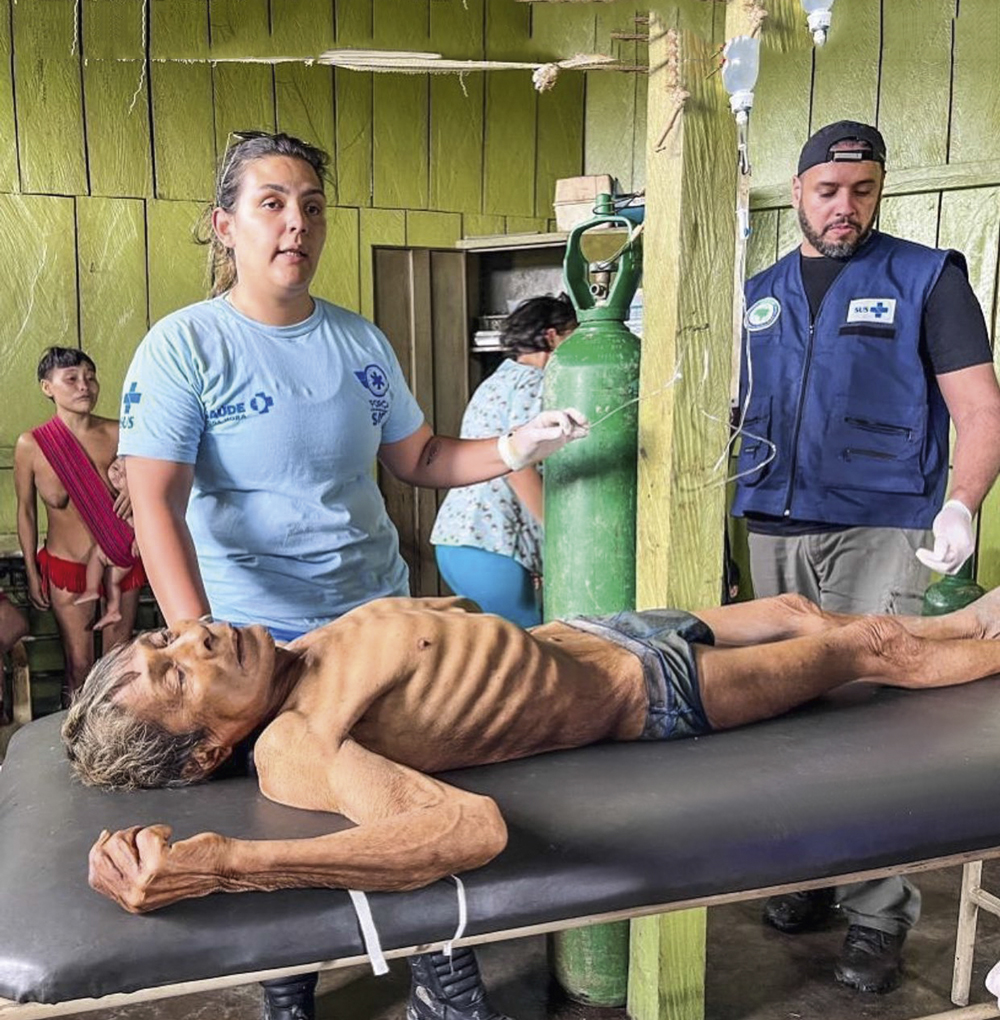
819	148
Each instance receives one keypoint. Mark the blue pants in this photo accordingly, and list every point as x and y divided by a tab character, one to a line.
497	584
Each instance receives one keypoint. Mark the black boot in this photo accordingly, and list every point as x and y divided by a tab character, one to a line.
448	988
799	911
871	960
292	998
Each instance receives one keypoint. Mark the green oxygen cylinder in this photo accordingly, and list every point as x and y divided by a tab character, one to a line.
954	591
590	506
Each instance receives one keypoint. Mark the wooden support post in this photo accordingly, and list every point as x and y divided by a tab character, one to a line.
965	936
685	384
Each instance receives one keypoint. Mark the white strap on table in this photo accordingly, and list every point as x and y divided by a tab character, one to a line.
368	933
463	917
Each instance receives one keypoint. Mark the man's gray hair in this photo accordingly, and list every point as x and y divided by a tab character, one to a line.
109	746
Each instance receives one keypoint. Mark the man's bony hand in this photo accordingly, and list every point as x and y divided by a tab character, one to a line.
542	436
141	870
954	541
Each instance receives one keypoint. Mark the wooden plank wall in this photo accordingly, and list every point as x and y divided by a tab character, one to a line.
112	118
926	75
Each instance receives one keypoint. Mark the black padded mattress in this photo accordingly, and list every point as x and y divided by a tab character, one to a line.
867	779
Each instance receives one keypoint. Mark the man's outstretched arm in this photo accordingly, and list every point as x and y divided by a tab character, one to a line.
411	830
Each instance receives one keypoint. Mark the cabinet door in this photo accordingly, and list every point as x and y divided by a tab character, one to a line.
422	306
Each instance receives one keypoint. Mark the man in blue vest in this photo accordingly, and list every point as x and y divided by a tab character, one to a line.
859	348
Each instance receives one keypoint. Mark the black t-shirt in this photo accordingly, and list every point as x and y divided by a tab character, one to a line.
954	337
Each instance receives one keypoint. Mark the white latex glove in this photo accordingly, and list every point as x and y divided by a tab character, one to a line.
993	982
953	539
541	437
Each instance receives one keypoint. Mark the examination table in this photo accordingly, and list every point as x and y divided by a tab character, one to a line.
865	782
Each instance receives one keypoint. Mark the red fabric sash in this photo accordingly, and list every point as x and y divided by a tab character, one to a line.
88	491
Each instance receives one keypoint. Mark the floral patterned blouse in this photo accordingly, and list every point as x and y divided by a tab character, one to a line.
488	515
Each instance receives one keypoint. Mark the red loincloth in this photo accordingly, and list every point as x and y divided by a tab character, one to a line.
72	576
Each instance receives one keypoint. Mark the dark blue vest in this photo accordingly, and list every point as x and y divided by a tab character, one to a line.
846	424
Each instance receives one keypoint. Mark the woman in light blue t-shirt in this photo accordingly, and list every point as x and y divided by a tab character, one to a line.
488	537
250	423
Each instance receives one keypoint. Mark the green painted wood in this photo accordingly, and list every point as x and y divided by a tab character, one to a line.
457	28
354	23
609	136
9	176
663	985
845	82
39	304
183	130
456	142
118	135
560	138
482	226
525	225
915	81
111	267
508	29
975	99
560	31
432	229
48	98
178	273
116	96
239	28
8	509
377	228
400	150
178	29
337	278
762	245
779	123
913	217
970	223
641	102
353	91
401	26
303	28
698	17
244	100
304	108
509	146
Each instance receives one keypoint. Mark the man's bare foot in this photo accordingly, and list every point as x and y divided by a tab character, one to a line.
984	615
87	596
111	616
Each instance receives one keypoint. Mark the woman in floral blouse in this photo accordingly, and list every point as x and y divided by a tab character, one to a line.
488	537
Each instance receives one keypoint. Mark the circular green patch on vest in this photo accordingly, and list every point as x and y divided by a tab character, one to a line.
762	313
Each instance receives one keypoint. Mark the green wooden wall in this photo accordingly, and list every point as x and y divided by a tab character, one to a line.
927	75
112	115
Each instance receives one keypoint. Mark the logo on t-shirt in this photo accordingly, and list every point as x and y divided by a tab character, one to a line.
236	410
762	313
375	379
132	396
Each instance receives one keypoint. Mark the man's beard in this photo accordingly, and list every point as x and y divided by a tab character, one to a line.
834	249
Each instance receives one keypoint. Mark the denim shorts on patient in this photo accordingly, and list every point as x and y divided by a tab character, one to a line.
662	639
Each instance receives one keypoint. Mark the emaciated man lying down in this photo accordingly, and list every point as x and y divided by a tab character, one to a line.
356	712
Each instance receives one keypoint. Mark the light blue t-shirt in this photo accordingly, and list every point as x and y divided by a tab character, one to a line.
282	425
489	515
